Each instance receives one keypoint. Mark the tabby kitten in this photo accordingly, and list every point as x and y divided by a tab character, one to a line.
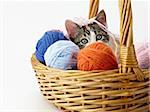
87	34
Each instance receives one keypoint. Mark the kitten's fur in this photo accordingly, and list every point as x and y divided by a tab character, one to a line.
87	34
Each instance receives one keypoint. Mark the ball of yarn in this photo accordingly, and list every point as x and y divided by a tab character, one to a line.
96	56
62	55
47	39
143	55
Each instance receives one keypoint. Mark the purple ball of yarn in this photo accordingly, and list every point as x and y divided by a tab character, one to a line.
47	39
143	55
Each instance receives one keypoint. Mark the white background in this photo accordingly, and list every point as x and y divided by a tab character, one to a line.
22	23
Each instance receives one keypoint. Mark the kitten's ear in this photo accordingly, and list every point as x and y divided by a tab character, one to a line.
101	17
72	28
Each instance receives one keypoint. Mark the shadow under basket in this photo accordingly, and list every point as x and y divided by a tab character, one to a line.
121	90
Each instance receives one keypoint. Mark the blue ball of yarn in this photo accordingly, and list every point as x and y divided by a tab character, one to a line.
47	39
62	55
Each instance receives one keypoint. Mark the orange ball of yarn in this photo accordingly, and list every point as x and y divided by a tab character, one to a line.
96	56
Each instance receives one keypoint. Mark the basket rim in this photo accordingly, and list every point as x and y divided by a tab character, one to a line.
35	61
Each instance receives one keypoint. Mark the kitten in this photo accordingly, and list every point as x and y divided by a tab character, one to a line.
87	34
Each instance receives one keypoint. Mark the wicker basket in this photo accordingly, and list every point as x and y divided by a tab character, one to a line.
122	90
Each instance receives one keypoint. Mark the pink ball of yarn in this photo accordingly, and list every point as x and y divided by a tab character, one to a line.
143	55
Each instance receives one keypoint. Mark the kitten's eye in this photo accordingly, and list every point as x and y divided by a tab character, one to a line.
98	37
84	41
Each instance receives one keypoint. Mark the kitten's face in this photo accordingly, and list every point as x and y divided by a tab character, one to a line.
89	34
85	35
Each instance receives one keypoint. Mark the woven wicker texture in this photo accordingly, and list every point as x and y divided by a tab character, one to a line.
122	90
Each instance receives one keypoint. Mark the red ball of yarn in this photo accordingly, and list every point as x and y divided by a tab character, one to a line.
96	56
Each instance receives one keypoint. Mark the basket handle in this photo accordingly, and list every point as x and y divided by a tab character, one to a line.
128	61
